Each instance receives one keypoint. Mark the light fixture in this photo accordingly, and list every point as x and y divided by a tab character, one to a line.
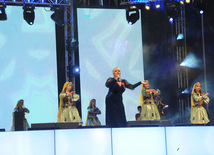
187	1
73	71
172	10
71	44
200	5
147	6
157	5
29	14
3	15
182	2
58	15
132	15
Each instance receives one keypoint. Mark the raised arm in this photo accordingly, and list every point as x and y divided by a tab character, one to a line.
109	82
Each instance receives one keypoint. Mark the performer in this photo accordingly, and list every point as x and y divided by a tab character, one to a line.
149	108
67	110
115	112
198	99
93	111
137	115
161	106
20	108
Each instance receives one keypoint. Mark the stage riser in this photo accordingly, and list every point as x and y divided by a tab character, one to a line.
110	141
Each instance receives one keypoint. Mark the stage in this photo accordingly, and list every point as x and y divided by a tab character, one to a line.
110	141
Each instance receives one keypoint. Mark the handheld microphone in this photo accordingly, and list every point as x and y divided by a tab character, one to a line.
119	80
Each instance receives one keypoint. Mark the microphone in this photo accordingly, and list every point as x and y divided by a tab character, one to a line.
119	80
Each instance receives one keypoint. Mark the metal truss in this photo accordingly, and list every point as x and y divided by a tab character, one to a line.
182	73
69	36
42	3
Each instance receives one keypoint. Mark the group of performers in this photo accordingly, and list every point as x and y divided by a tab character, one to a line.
151	105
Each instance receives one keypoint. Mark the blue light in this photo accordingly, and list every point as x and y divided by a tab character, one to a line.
130	23
171	20
201	12
77	70
191	61
185	91
180	36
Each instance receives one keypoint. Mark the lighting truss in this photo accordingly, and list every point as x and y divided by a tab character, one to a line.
42	3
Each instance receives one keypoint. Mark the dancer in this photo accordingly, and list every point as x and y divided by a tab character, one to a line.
115	112
67	110
21	108
93	111
149	108
137	115
161	106
198	99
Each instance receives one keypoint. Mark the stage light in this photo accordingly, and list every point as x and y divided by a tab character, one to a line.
171	20
73	71
180	36
147	6
71	44
58	15
132	15
182	2
199	4
3	15
172	9
187	1
29	14
157	5
186	91
191	61
201	12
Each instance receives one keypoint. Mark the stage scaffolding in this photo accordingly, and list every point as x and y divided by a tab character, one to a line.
69	32
180	47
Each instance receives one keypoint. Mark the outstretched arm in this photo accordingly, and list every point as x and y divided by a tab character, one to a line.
130	86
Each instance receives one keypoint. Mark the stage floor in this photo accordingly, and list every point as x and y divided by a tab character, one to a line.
110	141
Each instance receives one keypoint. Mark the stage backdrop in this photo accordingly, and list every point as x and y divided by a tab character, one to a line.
28	66
107	41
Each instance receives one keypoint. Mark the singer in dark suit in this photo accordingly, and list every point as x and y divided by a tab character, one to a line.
115	112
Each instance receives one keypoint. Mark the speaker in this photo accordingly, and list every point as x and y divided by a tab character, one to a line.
18	118
155	123
72	125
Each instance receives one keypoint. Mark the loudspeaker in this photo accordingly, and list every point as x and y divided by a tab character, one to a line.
43	126
18	118
47	126
155	123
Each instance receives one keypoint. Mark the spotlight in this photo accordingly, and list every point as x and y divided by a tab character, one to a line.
58	15
147	6
73	71
191	61
182	2
157	5
200	4
201	12
71	44
29	14
171	20
172	9
180	36
187	1
3	15
132	15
